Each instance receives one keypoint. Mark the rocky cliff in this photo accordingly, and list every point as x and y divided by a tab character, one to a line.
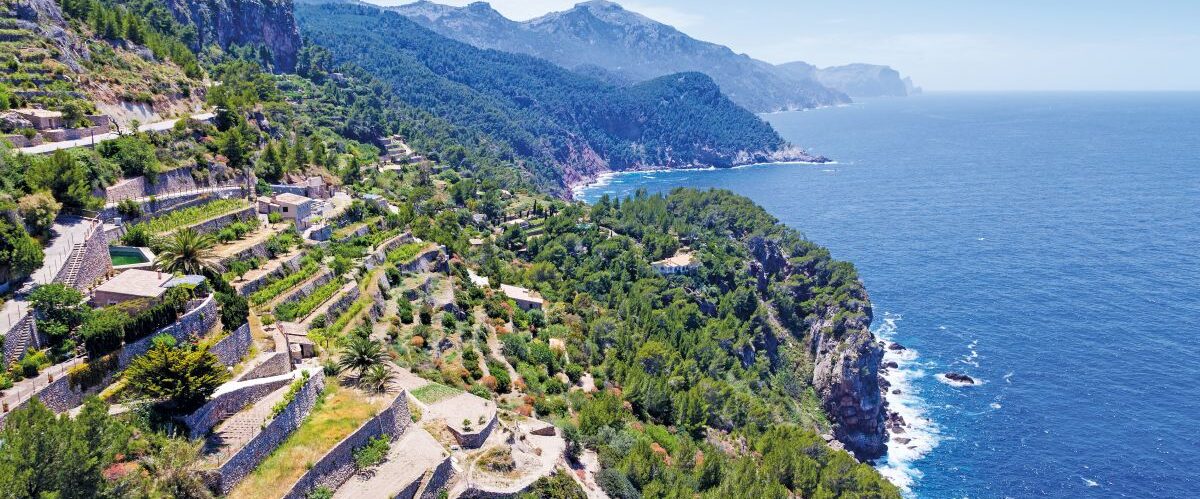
267	23
856	80
844	354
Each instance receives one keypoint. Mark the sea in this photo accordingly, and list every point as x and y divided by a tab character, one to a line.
1045	244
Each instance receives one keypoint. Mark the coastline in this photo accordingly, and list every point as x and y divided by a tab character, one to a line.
911	433
601	179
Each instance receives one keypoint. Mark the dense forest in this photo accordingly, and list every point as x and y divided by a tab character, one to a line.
553	118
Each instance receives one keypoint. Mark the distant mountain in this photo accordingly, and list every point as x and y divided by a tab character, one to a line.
565	127
629	47
855	80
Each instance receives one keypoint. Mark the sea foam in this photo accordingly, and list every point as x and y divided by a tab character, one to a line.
899	465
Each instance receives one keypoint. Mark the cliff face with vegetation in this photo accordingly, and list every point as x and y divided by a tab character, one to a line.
267	23
825	308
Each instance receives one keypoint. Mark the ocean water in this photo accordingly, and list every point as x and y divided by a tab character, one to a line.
1047	245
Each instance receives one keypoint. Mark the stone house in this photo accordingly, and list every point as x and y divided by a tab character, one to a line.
293	207
527	299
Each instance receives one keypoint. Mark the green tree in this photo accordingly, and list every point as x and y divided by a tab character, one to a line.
189	252
360	354
39	210
180	379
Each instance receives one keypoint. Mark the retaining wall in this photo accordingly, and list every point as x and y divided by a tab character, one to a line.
307	289
18	339
272	364
97	262
233	471
229	403
234	346
290	265
177	180
337	465
215	224
60	396
438	479
200	319
157	207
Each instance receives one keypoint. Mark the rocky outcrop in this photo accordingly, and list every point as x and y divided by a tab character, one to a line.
846	377
845	356
265	23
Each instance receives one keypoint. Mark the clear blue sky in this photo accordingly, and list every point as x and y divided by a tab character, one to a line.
948	44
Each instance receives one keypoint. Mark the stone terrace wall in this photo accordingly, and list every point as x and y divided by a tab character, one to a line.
290	265
474	440
438	479
308	288
233	471
215	224
337	465
343	302
233	347
96	262
229	403
22	335
61	396
273	364
178	180
200	319
159	207
429	260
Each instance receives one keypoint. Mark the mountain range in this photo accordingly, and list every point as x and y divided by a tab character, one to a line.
563	126
603	40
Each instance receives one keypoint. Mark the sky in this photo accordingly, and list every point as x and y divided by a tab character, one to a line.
947	44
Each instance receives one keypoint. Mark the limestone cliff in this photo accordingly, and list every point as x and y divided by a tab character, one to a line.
268	23
844	354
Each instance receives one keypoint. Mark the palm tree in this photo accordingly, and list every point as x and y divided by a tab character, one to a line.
377	378
360	354
189	252
173	470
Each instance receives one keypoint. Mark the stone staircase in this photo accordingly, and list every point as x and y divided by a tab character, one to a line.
74	263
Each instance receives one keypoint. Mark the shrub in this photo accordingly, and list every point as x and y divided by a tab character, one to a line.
274	217
373	453
104	331
129	209
136	235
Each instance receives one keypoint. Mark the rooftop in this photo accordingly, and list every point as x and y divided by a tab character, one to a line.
679	260
290	198
41	113
522	294
190	279
135	282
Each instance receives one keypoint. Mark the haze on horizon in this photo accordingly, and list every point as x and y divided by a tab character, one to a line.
946	45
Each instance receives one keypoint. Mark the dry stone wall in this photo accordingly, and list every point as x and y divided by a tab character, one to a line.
337	465
291	265
215	224
174	181
233	347
233	471
307	289
62	394
229	403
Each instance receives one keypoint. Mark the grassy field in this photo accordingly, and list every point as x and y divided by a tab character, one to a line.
341	412
433	392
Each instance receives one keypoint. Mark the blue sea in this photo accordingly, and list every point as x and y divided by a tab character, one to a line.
1046	244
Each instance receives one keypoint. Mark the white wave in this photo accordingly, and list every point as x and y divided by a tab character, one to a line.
1008	377
1090	483
995	405
899	465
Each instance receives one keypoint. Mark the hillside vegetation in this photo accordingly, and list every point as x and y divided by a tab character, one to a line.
565	125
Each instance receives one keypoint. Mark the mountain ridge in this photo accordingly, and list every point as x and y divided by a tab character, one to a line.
606	35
